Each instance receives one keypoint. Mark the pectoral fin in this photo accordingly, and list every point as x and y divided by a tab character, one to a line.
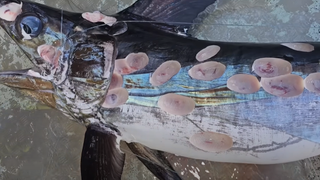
101	156
155	161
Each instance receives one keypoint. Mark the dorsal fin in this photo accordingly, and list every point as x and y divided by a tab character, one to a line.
182	11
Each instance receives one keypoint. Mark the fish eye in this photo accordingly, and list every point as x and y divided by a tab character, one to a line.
31	26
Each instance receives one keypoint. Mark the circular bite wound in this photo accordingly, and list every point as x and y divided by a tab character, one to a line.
115	98
137	61
243	83
288	85
303	47
50	54
207	53
312	82
211	141
116	81
10	11
96	16
207	71
122	67
165	72
176	104
271	67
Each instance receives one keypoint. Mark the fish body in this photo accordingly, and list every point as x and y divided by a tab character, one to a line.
217	108
79	58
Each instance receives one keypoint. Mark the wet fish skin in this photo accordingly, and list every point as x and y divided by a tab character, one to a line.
157	40
161	43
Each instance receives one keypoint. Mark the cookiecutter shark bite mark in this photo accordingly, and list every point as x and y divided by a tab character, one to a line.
127	77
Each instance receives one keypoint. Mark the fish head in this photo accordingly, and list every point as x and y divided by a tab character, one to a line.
37	30
40	89
51	38
75	56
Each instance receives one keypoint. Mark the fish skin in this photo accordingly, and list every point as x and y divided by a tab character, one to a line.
160	46
237	56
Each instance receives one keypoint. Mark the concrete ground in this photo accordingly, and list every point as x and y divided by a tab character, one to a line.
38	143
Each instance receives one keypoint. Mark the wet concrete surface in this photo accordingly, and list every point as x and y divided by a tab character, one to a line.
38	143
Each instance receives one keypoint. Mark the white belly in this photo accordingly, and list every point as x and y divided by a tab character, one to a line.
253	143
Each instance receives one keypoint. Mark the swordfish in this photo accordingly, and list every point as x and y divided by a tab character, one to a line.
132	77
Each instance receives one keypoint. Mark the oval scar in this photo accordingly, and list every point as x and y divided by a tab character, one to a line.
116	81
243	83
271	67
176	104
96	16
10	11
49	53
122	67
207	53
207	71
312	82
211	141
115	98
288	85
137	61
165	72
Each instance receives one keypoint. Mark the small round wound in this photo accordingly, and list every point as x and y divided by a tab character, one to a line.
288	85
211	141
207	71
271	67
243	83
176	104
207	53
165	72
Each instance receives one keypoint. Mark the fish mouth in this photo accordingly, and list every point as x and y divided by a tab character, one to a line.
22	79
40	89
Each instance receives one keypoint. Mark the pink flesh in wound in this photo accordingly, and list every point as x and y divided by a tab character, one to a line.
176	104
137	61
312	82
49	53
288	85
207	71
303	47
96	16
115	98
10	11
165	72
207	53
211	141
243	83
109	20
271	67
122	67
116	81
